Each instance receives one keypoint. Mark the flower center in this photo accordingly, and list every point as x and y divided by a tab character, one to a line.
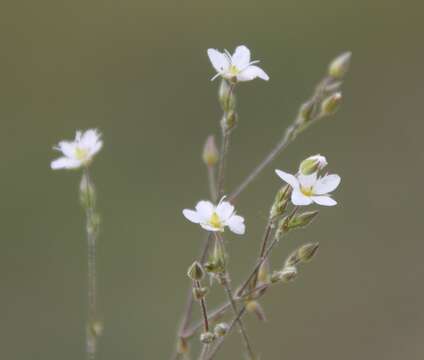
215	221
234	70
307	191
81	154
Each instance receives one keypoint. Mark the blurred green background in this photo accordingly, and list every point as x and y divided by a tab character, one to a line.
138	71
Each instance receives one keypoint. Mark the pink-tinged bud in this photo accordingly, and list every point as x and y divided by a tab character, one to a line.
210	152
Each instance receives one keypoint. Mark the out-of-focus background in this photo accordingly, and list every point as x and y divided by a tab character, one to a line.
138	71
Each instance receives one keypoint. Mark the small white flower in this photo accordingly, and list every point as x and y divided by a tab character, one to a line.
215	218
311	188
79	152
237	66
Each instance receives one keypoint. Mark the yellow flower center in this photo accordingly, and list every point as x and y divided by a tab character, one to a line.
81	154
307	191
215	221
234	70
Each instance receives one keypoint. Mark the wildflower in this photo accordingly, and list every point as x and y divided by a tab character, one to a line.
79	152
308	189
215	218
312	164
236	67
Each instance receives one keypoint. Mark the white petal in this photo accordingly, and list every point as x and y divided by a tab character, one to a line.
298	198
224	210
191	215
236	224
252	72
307	181
219	60
205	210
208	227
65	163
288	178
90	138
324	200
327	184
241	57
96	148
67	148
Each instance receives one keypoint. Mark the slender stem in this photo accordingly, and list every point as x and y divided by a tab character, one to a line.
203	308
204	351
224	153
212	183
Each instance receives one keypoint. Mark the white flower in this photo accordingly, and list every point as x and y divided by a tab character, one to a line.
79	152
311	188
215	218
237	66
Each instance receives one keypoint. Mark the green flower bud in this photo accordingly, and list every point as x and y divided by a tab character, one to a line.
195	271
305	112
221	329
210	152
226	96
207	337
331	104
312	164
275	277
301	220
229	121
288	274
281	201
340	65
307	252
200	293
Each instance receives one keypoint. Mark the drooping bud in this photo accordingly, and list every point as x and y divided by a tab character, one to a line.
207	337
307	252
221	329
281	201
288	274
200	293
340	65
312	164
226	96
301	220
331	104
87	192
195	271
210	153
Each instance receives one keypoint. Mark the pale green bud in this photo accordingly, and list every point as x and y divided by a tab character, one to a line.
281	201
331	104
305	112
210	152
207	337
288	274
195	271
301	220
229	121
200	293
221	329
226	96
312	164
340	65
307	252
275	277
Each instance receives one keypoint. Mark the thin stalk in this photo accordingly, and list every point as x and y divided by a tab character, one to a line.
212	183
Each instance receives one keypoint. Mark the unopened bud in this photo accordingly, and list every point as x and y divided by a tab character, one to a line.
333	87
288	274
340	65
195	271
305	112
312	164
210	152
301	220
275	277
293	259
200	293
281	201
226	96
331	104
221	329
307	252
251	306
182	346
263	273
216	263
87	192
207	337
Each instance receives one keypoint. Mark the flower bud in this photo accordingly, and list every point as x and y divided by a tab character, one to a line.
340	65
263	273
229	121
281	201
210	152
251	306
216	263
293	259
305	112
221	329
312	164
275	277
288	274
87	192
301	220
195	271
200	293
307	252
226	96
207	337
331	104
182	346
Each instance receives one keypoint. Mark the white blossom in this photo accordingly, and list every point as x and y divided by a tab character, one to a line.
79	152
215	218
308	189
237	66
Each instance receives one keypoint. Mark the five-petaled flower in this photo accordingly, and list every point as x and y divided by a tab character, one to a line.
237	66
308	189
215	218
79	152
